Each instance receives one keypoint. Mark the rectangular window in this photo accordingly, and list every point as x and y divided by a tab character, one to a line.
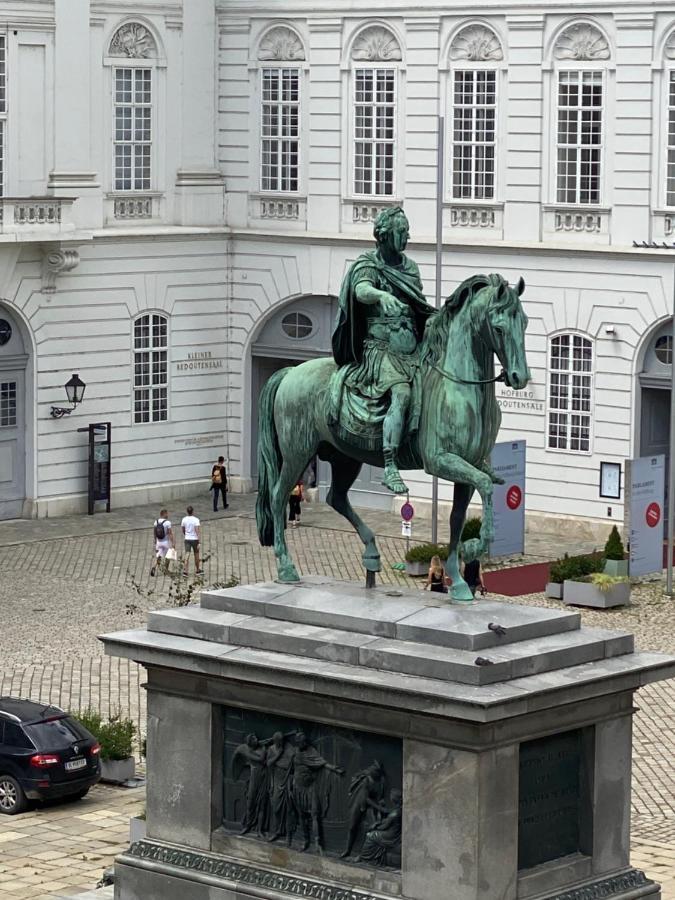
670	171
3	109
280	129
474	111
150	369
374	128
7	404
132	129
579	137
569	420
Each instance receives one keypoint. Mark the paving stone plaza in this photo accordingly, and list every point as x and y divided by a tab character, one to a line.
67	580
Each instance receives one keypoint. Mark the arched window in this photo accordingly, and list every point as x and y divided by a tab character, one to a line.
297	325
375	56
570	393
280	51
133	93
580	57
151	368
475	57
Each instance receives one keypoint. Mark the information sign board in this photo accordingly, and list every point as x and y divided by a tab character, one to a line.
647	489
508	462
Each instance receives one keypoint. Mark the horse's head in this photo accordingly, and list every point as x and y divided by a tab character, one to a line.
503	329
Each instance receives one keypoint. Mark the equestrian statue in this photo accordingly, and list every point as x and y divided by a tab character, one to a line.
409	387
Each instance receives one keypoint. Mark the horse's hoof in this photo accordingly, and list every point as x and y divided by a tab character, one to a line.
461	593
372	564
287	573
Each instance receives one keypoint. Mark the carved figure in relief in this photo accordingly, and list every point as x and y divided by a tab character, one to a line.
279	764
252	755
310	791
382	845
366	793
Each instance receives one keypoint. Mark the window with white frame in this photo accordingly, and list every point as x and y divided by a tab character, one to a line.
374	130
474	111
132	128
670	163
570	393
280	129
3	110
151	368
579	136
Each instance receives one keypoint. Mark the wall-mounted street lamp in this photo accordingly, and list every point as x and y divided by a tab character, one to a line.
75	393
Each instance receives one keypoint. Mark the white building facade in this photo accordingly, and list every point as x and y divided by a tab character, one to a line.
185	185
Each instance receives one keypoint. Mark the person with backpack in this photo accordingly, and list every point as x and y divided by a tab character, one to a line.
163	535
219	483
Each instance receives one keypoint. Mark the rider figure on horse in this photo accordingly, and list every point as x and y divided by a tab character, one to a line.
380	326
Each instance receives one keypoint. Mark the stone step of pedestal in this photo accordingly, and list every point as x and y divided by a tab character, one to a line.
388	613
516	660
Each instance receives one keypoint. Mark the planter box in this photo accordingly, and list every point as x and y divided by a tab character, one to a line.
416	569
137	829
581	593
616	567
554	590
117	771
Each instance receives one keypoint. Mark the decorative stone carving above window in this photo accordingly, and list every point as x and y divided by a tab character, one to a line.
582	42
134	41
376	44
281	43
477	44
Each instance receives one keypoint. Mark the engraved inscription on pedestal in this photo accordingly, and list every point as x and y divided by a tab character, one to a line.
554	813
313	787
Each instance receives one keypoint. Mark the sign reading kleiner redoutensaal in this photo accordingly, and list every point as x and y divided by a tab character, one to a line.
647	490
508	462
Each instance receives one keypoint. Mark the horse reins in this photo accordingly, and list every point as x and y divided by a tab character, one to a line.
500	377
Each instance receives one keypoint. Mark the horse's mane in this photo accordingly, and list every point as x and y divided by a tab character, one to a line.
436	331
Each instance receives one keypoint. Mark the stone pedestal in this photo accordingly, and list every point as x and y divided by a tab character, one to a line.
479	752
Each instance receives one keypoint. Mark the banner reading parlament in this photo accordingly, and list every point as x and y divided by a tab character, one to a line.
508	461
647	487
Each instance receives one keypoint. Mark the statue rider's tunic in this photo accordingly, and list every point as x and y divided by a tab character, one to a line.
380	351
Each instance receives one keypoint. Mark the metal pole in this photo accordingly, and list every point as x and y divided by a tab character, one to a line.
439	280
671	460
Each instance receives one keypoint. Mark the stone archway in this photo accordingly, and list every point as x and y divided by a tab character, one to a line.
14	415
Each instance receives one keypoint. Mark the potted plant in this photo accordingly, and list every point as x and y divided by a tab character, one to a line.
571	568
116	737
417	559
597	590
554	587
615	562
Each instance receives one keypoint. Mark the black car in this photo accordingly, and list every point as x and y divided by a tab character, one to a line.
44	754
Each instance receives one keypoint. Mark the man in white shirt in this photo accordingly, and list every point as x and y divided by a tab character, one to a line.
163	535
191	527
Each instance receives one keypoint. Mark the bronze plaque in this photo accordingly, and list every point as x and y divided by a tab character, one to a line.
313	787
552	790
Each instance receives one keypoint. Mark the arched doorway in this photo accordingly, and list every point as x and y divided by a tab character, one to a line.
655	395
300	330
13	363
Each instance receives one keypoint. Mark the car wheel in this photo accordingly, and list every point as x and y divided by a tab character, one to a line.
12	798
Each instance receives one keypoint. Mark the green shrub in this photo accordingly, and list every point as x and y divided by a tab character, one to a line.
573	568
116	735
604	583
614	547
471	528
422	553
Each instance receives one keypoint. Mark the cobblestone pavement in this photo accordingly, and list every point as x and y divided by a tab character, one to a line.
66	580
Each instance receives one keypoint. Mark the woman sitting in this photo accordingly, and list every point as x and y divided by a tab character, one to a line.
437	580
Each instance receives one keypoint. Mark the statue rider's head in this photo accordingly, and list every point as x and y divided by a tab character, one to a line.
391	229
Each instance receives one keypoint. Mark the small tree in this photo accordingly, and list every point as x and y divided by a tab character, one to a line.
614	547
471	529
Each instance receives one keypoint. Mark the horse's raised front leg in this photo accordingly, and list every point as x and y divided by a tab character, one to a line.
460	502
288	478
452	467
344	472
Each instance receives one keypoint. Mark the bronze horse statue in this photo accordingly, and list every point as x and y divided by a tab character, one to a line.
458	426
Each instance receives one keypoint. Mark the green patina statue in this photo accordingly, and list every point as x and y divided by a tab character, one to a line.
409	387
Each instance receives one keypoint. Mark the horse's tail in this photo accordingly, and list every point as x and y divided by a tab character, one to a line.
269	459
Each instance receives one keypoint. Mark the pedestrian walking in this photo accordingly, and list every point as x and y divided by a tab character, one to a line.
294	502
219	483
163	535
436	578
473	577
191	527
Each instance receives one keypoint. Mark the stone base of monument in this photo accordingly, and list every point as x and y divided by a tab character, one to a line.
321	740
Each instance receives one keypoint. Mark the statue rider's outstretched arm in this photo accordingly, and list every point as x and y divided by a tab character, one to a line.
366	293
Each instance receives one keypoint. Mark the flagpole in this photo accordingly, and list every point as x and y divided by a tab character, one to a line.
439	281
671	462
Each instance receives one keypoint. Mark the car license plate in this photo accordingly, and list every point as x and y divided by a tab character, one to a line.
75	764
